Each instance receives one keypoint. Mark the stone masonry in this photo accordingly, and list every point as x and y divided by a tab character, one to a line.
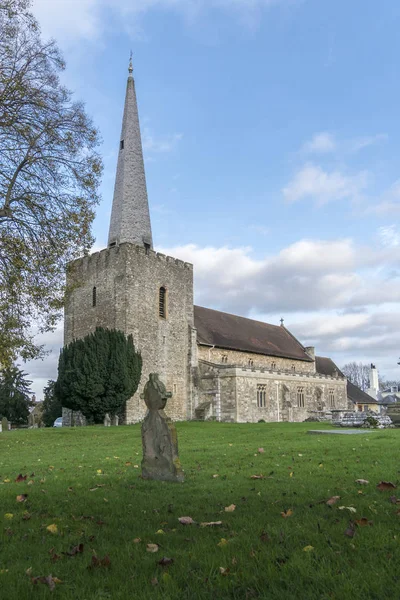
127	279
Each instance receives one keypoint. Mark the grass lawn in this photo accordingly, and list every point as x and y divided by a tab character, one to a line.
84	482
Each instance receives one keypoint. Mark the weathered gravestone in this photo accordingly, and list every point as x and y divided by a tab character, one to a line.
115	420
4	424
107	420
159	439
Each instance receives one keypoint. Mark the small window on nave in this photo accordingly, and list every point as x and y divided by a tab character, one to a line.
331	396
261	395
162	303
300	397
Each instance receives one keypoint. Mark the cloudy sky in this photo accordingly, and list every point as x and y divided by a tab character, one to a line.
271	134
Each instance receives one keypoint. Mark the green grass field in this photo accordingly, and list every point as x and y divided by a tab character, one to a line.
85	483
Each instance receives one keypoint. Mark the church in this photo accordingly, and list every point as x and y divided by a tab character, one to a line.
217	365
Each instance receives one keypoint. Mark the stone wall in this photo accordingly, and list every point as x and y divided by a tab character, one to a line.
127	279
239	358
236	400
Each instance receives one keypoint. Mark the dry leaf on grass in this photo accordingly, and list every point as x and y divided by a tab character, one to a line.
22	497
264	537
52	528
154	581
186	520
21	478
362	481
53	555
100	562
215	476
386	485
137	541
287	513
222	543
152	547
74	550
224	571
350	531
394	500
308	548
230	508
257	477
363	522
211	524
165	561
261	450
349	508
49	581
332	500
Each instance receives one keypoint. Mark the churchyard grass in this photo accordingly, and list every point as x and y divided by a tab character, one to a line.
281	541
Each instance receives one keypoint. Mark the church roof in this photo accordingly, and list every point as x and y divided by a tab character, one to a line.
215	328
326	366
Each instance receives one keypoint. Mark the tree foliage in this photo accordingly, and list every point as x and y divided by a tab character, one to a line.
358	374
52	408
49	177
15	395
99	373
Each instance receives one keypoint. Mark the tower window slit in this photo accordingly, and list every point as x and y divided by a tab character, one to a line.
121	145
162	308
94	296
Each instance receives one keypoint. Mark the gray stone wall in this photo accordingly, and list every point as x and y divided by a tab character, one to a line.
235	399
127	281
236	357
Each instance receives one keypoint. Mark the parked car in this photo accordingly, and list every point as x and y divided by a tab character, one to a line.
58	422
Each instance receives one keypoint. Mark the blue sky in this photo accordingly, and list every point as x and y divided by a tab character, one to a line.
271	139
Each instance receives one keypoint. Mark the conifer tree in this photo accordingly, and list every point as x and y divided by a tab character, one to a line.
99	373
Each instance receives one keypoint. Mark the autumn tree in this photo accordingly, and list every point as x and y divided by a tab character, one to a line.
98	374
357	373
49	178
15	395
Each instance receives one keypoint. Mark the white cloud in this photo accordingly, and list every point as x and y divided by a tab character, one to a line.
363	142
389	236
320	143
312	182
84	19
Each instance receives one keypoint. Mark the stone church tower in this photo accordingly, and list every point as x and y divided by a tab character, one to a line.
130	287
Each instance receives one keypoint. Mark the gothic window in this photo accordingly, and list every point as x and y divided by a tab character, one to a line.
300	397
224	359
250	363
273	366
121	145
331	396
261	395
293	367
162	303
94	296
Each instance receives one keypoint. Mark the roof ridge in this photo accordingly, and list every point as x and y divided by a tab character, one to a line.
222	312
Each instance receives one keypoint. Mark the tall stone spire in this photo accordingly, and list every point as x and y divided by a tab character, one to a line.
130	216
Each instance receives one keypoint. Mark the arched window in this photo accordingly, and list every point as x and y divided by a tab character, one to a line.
94	298
162	303
300	397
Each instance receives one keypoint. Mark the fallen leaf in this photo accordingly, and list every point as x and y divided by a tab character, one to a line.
308	548
152	547
160	532
287	513
165	561
53	555
234	561
26	516
386	485
211	524
261	450
332	500
394	500
99	471
186	520
21	478
230	508
154	581
137	541
52	528
9	516
222	543
215	476
257	477
6	480
363	522
74	550
350	531
349	508
31	482
224	571
362	481
22	497
49	581
100	562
